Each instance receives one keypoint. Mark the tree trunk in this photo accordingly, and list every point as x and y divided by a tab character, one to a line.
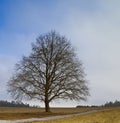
47	107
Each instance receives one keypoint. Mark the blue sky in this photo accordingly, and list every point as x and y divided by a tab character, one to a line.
28	16
93	27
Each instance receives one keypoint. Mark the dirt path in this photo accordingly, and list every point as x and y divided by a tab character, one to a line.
46	118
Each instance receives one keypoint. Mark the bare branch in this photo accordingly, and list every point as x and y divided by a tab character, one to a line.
50	72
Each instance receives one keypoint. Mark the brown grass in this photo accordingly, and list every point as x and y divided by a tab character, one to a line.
105	116
23	113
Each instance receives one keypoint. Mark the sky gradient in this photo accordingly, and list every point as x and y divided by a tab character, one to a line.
92	26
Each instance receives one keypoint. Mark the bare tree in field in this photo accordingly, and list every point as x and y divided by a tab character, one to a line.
52	71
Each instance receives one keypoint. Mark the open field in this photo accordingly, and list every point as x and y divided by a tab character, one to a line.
24	113
105	116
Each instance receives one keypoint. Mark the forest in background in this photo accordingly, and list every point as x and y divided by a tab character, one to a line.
13	104
21	104
107	104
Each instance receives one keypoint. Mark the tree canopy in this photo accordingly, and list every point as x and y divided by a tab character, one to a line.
52	71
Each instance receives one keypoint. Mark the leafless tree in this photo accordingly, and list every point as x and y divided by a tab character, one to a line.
52	71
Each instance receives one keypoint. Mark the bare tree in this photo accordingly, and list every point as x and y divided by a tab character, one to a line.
52	71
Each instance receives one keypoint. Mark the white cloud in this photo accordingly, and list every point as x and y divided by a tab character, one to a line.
98	42
6	70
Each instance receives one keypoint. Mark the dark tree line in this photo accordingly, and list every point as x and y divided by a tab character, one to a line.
107	104
112	104
12	104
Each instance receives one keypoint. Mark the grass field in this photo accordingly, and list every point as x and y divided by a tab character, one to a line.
106	116
23	113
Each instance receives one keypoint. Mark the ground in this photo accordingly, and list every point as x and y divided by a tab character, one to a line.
111	115
24	113
105	116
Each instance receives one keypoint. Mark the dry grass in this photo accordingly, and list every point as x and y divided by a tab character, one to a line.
106	116
23	113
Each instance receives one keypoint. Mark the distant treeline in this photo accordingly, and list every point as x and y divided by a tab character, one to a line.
82	106
13	104
107	104
112	104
